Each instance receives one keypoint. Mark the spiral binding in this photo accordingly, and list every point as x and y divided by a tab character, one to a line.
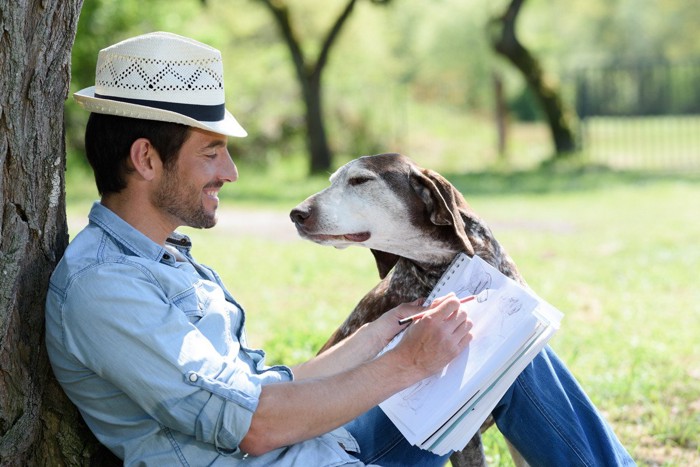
447	275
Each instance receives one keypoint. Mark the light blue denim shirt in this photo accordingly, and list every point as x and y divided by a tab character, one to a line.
150	346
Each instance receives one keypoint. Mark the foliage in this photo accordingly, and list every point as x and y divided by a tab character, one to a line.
390	62
309	72
571	34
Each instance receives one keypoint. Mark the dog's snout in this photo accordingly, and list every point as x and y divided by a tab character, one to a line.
300	213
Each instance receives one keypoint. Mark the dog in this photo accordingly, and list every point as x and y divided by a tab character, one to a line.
414	221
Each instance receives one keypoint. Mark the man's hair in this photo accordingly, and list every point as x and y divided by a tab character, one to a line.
108	140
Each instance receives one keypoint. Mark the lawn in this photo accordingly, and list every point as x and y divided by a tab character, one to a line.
617	252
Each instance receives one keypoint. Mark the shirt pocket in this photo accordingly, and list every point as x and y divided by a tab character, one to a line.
192	302
345	440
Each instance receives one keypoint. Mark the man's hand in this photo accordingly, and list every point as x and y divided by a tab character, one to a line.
436	337
387	325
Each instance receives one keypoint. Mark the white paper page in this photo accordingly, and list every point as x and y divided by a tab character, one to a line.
502	322
501	381
505	317
463	429
428	403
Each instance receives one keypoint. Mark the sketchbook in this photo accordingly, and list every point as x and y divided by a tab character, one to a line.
511	324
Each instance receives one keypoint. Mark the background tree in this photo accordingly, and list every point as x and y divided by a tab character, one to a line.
504	39
414	77
309	73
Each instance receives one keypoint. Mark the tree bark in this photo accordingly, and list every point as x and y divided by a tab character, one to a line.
505	41
309	77
38	425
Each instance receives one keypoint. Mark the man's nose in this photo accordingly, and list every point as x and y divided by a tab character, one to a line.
229	171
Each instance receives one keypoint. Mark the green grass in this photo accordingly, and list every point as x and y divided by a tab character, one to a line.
617	252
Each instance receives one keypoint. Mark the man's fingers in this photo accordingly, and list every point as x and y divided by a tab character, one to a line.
465	326
440	300
466	339
449	307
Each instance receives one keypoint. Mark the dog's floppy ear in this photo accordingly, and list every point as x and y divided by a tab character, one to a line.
444	203
385	261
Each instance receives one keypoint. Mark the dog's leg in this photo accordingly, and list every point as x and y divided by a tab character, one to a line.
471	456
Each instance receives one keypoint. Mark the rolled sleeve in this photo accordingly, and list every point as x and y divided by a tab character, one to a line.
225	423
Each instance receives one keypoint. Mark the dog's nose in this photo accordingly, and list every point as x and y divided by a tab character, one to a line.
299	214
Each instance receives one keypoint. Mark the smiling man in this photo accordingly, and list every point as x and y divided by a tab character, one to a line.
170	193
150	345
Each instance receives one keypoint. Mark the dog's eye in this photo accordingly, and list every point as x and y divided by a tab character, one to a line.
354	181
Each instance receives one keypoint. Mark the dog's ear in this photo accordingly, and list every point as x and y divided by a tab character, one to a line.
445	204
385	261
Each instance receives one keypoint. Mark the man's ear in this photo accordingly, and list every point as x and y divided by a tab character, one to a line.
144	158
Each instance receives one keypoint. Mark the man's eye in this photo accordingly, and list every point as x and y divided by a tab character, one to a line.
358	180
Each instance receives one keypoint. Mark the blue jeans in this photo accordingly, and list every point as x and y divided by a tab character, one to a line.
545	415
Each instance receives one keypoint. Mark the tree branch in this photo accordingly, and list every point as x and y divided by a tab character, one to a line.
280	12
504	40
332	36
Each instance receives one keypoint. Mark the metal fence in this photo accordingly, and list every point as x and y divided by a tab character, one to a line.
641	116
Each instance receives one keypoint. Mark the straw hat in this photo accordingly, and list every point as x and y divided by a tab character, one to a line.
162	76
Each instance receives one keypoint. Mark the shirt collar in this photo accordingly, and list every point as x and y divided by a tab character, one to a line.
131	238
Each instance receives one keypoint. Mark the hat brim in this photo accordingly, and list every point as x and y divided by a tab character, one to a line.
87	100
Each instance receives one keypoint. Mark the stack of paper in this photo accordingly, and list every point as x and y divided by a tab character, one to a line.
511	325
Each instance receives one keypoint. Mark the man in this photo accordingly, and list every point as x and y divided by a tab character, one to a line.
151	347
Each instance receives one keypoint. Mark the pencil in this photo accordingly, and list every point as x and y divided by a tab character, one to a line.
410	319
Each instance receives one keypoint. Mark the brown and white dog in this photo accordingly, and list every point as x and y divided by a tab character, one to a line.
414	221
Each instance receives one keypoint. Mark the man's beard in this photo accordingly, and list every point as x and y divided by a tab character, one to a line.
183	201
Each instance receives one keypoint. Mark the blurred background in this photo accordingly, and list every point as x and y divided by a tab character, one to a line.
457	83
571	127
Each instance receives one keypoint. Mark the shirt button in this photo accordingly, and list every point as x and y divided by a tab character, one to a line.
193	378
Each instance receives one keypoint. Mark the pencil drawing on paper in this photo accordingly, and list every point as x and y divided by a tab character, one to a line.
478	284
411	398
507	306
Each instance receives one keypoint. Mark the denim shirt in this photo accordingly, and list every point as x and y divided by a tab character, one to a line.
151	348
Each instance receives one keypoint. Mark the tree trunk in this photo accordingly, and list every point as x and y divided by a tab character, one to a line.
506	43
309	77
321	156
38	425
501	113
